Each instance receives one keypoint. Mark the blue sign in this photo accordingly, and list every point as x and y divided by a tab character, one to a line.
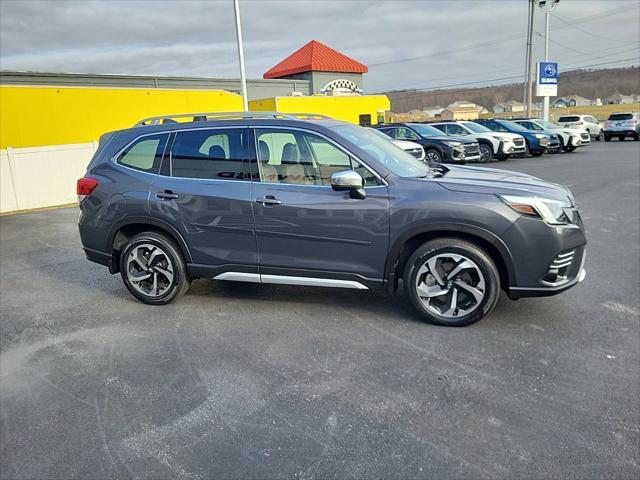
548	73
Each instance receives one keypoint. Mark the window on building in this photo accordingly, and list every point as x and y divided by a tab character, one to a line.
365	120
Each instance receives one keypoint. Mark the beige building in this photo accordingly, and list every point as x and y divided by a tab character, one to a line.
461	113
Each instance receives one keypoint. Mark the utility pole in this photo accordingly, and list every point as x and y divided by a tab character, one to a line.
243	77
530	58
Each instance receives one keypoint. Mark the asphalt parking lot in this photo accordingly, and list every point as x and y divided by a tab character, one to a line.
248	381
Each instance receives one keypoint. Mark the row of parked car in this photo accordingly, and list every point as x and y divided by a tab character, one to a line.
497	139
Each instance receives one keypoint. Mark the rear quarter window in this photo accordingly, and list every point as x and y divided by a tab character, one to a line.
145	153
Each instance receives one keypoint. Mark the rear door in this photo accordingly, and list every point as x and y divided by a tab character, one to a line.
204	191
303	227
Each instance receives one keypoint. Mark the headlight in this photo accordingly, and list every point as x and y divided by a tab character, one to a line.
502	139
453	144
539	136
551	211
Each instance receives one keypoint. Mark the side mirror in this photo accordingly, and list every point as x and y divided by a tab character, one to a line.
348	181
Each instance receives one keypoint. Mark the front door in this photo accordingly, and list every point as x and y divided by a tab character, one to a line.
303	227
204	191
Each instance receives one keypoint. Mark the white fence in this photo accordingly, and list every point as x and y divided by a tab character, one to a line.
40	177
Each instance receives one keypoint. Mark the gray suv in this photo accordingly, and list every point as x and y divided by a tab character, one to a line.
273	198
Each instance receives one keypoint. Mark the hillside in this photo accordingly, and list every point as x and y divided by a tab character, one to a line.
587	83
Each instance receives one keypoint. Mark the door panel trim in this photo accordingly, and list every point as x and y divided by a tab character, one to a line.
290	280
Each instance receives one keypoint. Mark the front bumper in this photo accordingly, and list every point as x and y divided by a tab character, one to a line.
510	148
547	259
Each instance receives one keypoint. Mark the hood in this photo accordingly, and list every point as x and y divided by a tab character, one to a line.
492	181
447	138
405	144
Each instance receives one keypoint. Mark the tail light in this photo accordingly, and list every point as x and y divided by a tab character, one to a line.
85	186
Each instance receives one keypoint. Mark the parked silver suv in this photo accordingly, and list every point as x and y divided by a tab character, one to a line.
622	125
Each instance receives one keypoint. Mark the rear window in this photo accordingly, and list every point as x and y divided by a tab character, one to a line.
621	116
573	118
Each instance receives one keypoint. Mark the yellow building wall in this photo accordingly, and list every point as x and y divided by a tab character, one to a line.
347	109
37	116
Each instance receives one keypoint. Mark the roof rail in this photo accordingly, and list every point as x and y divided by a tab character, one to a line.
206	116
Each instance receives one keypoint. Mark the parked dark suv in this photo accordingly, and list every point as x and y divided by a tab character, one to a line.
269	198
438	146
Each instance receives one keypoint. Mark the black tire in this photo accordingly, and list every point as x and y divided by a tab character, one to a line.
179	283
569	149
636	137
486	152
607	138
536	153
469	251
432	155
501	157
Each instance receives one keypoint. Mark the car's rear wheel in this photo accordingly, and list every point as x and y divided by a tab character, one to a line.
451	282
153	268
433	156
486	153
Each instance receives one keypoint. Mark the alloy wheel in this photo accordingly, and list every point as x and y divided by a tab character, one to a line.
433	156
485	153
450	285
149	270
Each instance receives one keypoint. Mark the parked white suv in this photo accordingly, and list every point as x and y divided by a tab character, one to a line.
570	138
622	125
499	145
413	148
583	122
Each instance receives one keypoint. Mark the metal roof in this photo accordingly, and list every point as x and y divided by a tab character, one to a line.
315	56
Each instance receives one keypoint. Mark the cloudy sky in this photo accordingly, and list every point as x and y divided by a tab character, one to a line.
406	44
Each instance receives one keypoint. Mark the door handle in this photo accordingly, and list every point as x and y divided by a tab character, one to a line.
268	200
167	195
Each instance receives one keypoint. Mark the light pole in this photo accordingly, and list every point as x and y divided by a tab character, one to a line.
546	6
530	57
243	77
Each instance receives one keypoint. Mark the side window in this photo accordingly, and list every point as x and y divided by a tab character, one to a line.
391	132
145	153
216	154
453	129
406	134
302	158
497	127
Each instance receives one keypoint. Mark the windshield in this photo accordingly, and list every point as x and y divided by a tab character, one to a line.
546	124
426	130
476	127
620	116
572	118
395	159
513	126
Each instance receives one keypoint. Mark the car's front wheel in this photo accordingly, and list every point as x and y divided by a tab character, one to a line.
486	153
451	282
536	153
153	268
433	156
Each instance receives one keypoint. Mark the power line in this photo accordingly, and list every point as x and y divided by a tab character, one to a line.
513	69
420	91
585	19
602	37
